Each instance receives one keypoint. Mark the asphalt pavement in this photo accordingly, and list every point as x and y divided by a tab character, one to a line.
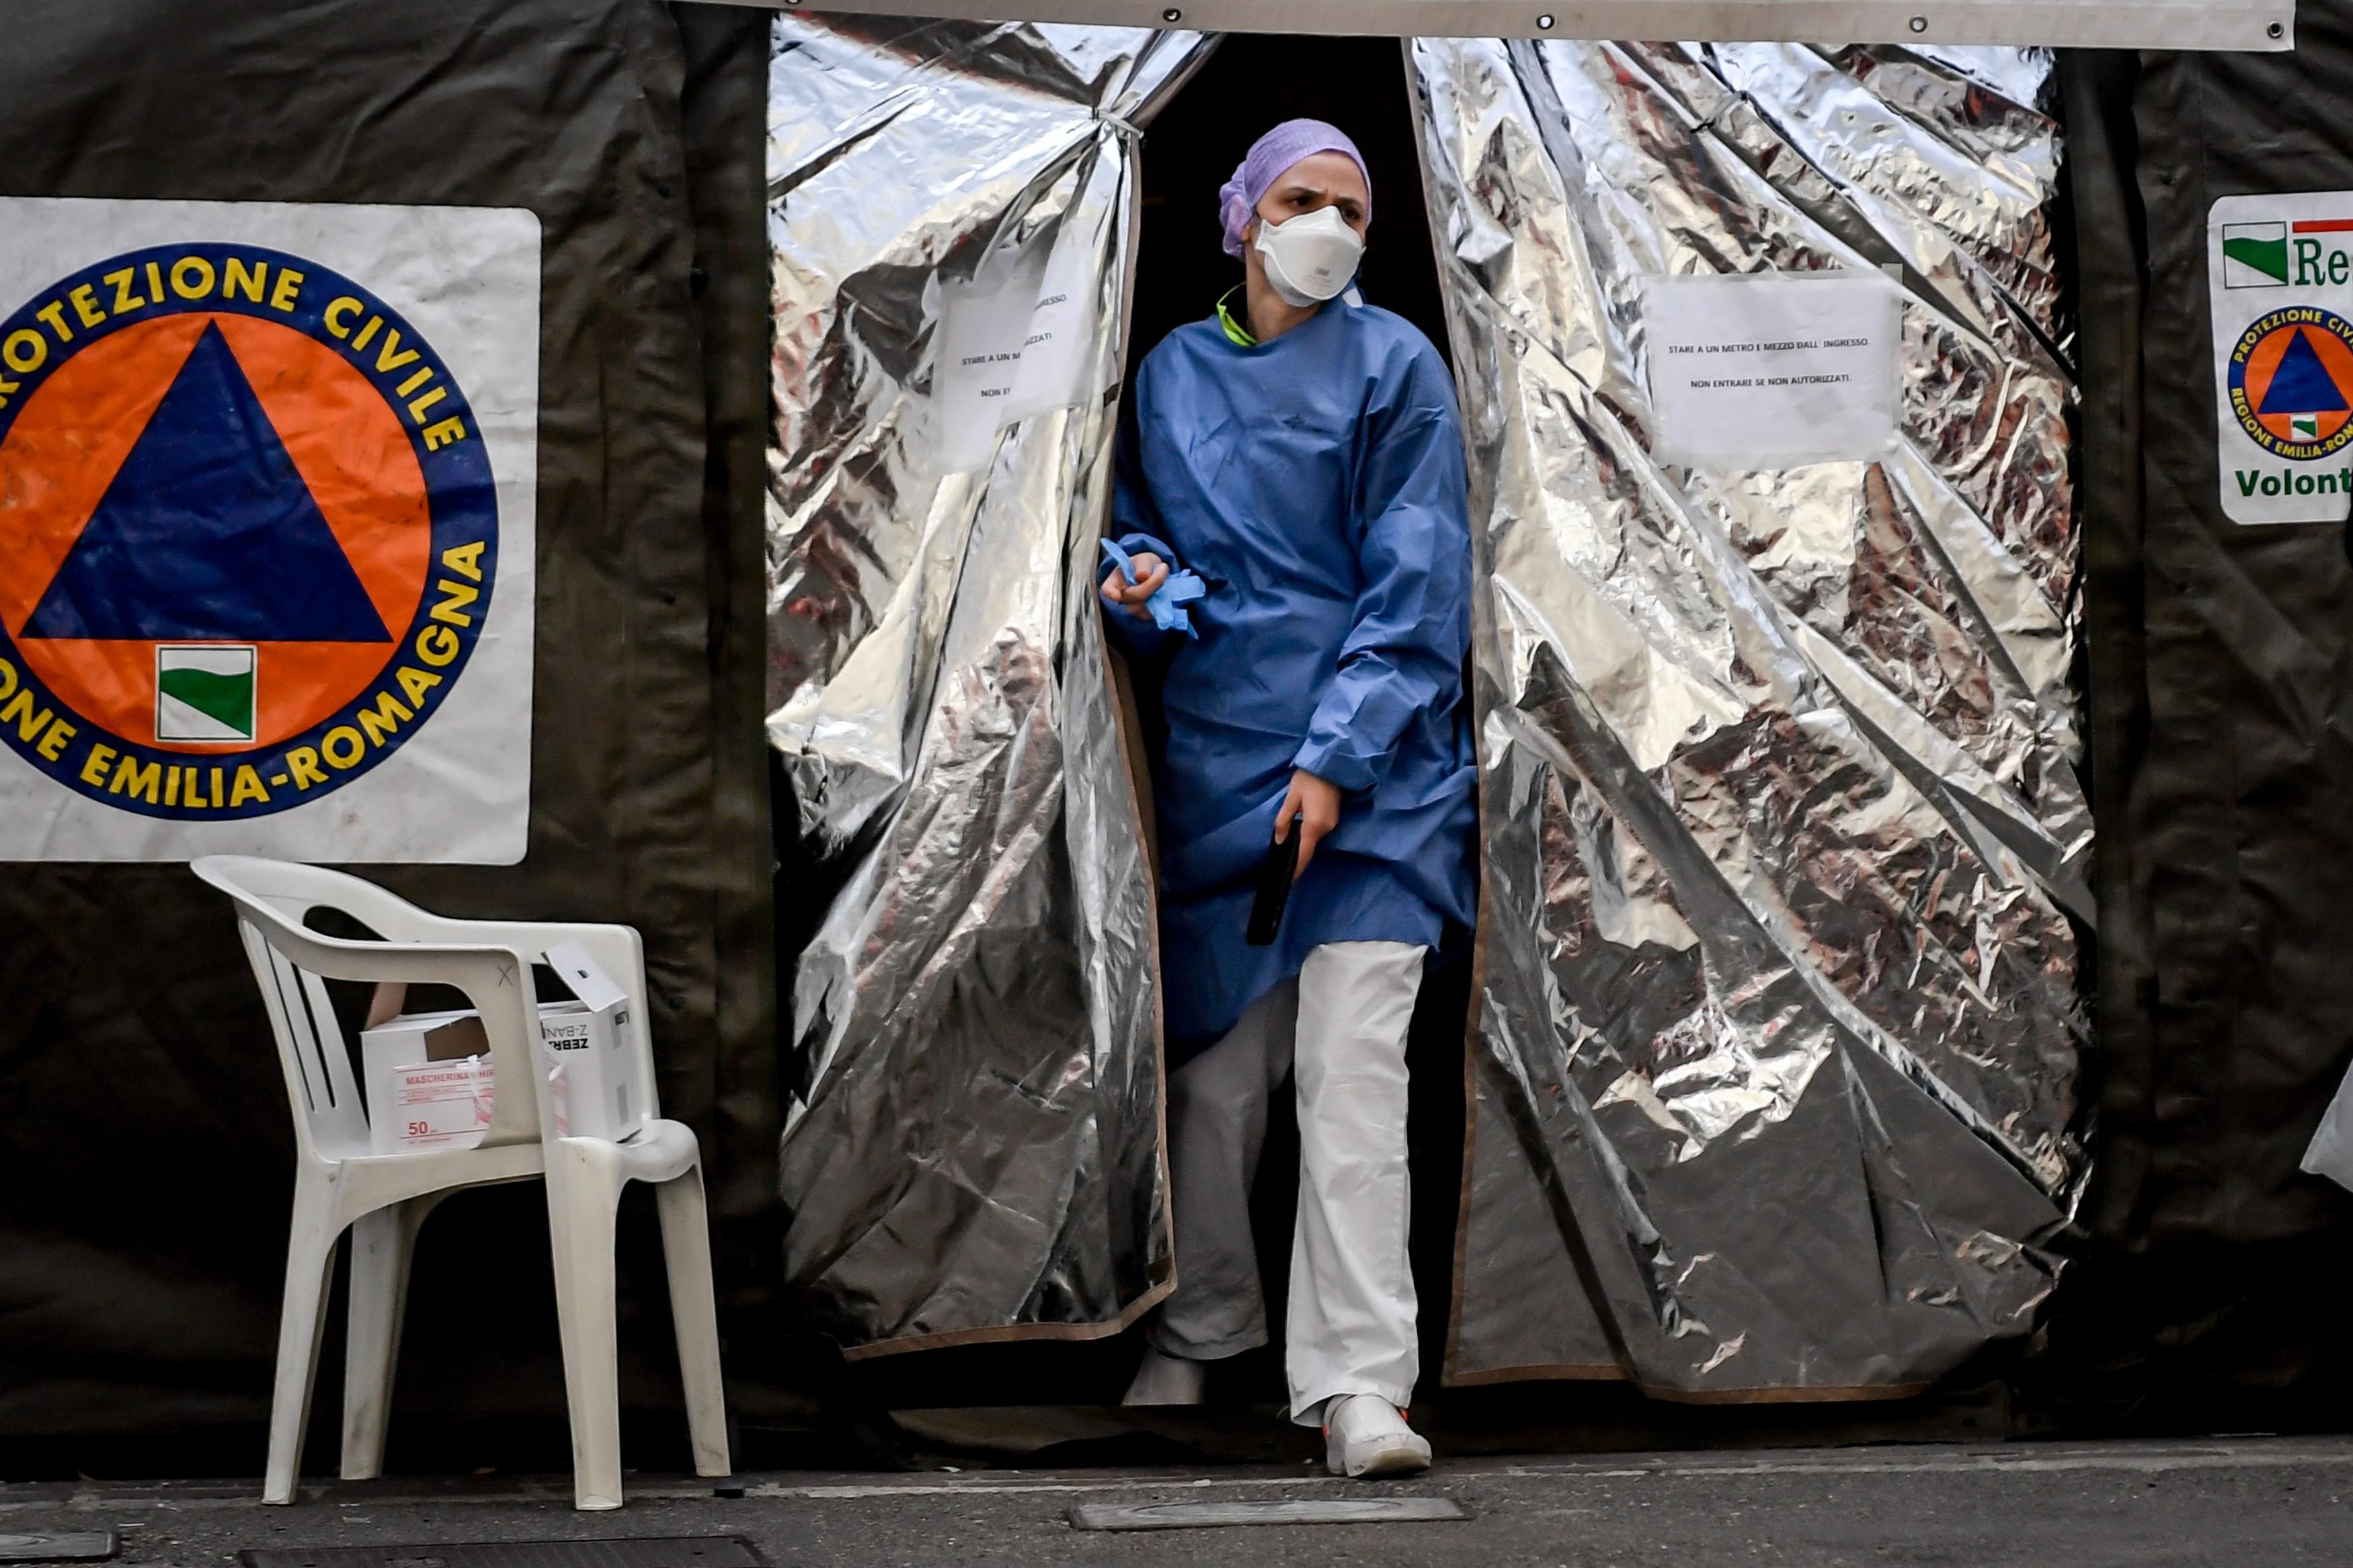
2256	1500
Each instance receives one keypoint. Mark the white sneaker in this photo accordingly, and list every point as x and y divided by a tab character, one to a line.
1164	1379
1364	1434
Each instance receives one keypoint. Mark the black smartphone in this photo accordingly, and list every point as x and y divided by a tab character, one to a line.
1274	875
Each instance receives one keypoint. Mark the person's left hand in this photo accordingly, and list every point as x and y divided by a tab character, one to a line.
1315	803
1136	597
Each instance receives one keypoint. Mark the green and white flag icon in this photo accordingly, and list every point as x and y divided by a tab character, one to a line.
204	693
2303	426
2255	255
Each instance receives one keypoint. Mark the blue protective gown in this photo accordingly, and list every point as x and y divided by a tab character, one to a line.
1315	483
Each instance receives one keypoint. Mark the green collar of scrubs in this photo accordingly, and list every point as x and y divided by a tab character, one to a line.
1236	333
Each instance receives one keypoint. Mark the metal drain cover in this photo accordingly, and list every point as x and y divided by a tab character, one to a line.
648	1551
1200	1515
57	1546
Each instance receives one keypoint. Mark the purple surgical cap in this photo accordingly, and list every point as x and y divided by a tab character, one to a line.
1272	153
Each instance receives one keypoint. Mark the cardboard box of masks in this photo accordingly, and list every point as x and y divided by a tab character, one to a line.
429	1082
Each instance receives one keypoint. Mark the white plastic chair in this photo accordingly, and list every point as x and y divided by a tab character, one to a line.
383	1198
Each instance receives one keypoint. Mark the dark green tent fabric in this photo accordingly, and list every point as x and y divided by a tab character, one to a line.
2223	779
145	1149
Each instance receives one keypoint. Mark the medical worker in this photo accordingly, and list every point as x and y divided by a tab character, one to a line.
1300	456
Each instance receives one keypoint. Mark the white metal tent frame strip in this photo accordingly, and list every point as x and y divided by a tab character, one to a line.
2250	24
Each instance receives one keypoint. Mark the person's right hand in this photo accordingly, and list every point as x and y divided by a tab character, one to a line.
1150	573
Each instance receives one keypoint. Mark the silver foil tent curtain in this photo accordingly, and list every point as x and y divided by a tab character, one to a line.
1774	1085
950	218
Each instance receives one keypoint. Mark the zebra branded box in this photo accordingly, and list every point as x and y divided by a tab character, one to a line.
586	1049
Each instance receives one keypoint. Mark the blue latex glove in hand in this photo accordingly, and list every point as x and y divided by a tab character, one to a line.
1167	604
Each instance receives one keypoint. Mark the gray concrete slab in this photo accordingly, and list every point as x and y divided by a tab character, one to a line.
2260	1502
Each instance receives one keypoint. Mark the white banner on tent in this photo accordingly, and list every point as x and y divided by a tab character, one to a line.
2081	24
267	481
2279	276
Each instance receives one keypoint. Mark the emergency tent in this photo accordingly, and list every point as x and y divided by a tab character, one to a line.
142	1131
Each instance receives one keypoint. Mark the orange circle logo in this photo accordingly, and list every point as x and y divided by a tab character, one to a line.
247	531
2291	381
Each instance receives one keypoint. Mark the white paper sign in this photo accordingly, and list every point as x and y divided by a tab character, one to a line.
1056	348
1772	370
1009	347
2279	281
267	486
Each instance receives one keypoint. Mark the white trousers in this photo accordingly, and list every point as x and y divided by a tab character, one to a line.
1340	1030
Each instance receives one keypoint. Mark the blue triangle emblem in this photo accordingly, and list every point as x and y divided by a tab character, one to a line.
2302	383
207	531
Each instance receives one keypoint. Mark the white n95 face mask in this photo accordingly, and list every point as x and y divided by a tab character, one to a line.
1310	258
